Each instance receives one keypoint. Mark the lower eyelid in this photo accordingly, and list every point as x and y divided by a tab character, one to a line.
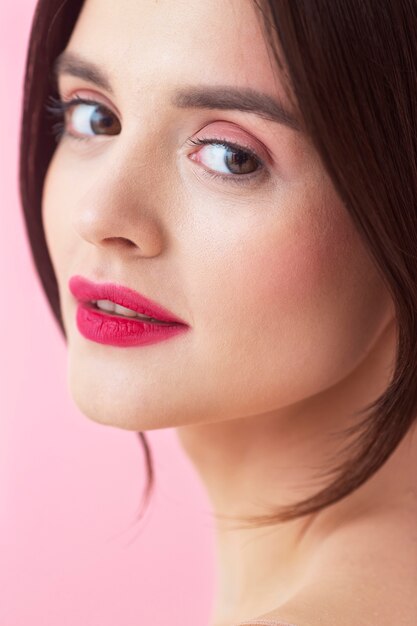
240	180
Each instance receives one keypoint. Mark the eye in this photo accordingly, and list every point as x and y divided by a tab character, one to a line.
236	163
86	117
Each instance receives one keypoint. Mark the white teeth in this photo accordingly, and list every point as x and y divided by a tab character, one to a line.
105	305
112	307
122	310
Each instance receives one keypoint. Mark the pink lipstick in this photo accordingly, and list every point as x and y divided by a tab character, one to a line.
145	322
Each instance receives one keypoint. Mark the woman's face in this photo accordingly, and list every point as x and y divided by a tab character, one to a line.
264	264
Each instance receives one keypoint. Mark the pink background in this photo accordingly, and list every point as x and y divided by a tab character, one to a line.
69	487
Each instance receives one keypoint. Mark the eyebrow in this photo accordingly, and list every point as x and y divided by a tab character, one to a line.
221	97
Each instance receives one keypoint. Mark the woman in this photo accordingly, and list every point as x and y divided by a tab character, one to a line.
240	177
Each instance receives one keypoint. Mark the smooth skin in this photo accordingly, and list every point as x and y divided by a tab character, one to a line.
292	328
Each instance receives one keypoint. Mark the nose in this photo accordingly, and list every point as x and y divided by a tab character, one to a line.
107	228
116	212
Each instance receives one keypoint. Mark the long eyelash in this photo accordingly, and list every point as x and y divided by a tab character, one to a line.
57	109
239	179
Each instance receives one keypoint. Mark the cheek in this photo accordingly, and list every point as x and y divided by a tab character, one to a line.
301	303
301	269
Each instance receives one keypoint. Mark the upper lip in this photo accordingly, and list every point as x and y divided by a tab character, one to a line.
86	290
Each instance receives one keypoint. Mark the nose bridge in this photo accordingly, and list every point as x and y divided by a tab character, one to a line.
125	198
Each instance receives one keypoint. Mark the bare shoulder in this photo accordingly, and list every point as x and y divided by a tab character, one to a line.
358	582
264	622
353	605
320	616
363	585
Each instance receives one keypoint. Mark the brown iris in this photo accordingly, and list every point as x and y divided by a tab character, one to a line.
103	121
241	160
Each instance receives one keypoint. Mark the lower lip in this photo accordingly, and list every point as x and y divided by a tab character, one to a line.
114	330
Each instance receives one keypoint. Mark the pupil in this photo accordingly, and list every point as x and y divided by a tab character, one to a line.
240	159
101	121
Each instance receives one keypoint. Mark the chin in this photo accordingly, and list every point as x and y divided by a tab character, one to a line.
104	405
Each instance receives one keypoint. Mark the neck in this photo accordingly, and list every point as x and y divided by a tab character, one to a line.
253	464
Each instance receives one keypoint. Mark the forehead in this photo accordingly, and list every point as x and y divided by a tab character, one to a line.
149	43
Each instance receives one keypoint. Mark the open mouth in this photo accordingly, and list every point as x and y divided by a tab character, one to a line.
111	308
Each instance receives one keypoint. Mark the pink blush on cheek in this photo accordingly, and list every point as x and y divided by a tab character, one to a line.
298	271
289	274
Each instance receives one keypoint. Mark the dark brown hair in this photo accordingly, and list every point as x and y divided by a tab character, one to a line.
351	67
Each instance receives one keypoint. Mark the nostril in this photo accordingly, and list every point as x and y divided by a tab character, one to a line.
122	241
